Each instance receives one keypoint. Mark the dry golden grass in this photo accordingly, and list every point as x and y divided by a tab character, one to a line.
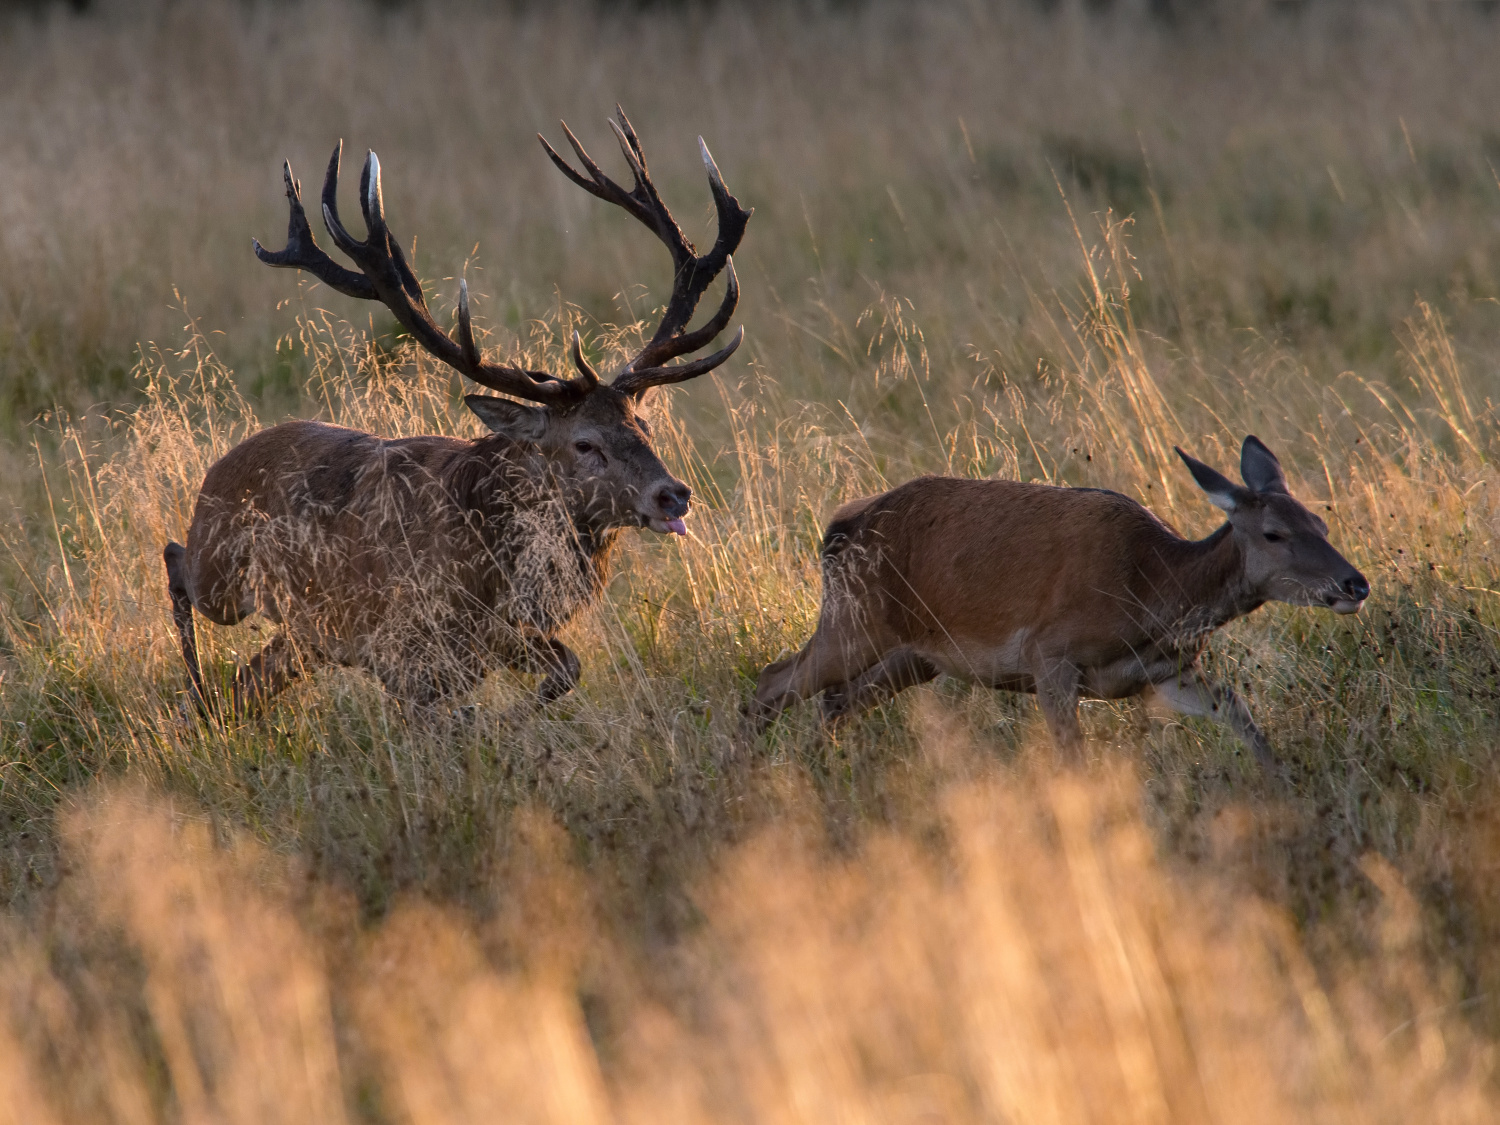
1032	961
618	908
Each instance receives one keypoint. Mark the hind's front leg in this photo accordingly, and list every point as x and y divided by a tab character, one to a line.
1190	694
830	661
896	671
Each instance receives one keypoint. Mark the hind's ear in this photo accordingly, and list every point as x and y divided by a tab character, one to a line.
1259	467
1221	490
504	416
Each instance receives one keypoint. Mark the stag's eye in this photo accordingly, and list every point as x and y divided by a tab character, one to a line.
1272	537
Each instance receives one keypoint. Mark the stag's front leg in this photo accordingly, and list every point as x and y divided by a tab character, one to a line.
266	674
1190	694
559	663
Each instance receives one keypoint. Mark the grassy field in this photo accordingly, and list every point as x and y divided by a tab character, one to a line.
988	240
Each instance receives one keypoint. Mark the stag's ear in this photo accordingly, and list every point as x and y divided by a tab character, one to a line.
504	416
1221	490
1259	467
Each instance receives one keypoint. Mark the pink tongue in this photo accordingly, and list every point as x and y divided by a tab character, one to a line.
677	526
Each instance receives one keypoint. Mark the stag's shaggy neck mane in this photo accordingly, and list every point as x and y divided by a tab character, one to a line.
496	479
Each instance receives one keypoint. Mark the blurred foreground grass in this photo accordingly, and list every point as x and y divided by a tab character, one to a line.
1028	960
619	908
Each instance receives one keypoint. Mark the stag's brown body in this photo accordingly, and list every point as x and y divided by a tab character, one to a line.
428	560
1064	592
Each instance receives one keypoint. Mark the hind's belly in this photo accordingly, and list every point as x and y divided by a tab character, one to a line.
1006	665
1122	678
1112	671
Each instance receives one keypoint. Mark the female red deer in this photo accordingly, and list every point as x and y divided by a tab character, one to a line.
427	560
1064	592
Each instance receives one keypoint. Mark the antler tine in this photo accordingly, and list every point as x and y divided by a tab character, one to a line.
341	237
386	277
600	185
602	180
635	382
636	161
371	201
302	249
581	363
629	131
732	218
654	354
692	272
472	356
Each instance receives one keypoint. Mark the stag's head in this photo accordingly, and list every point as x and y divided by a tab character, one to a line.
1285	547
599	452
591	433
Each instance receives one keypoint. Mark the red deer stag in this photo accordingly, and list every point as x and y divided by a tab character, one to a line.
427	560
1064	592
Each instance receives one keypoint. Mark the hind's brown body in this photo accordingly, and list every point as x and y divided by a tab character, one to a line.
1064	592
1034	579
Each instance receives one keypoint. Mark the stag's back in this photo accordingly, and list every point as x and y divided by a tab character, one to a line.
342	503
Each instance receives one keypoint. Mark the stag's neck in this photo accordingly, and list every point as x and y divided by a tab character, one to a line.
1203	585
494	477
596	551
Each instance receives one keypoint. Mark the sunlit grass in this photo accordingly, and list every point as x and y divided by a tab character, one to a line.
622	907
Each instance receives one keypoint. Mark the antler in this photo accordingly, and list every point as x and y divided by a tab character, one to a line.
386	277
692	273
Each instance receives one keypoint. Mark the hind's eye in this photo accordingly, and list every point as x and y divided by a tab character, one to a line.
1272	537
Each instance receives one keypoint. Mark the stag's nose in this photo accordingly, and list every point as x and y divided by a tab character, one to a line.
672	499
1356	587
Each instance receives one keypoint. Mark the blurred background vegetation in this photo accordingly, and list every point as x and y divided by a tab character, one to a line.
1297	174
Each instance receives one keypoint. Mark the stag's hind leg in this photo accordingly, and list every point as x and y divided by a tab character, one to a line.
175	556
267	673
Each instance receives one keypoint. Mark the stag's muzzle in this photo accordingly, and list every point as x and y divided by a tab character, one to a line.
668	505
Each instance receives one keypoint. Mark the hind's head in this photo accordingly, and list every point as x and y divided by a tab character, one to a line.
1288	557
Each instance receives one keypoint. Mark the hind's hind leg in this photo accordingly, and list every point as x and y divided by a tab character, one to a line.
896	671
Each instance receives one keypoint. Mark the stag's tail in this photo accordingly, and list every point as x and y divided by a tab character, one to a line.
175	557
